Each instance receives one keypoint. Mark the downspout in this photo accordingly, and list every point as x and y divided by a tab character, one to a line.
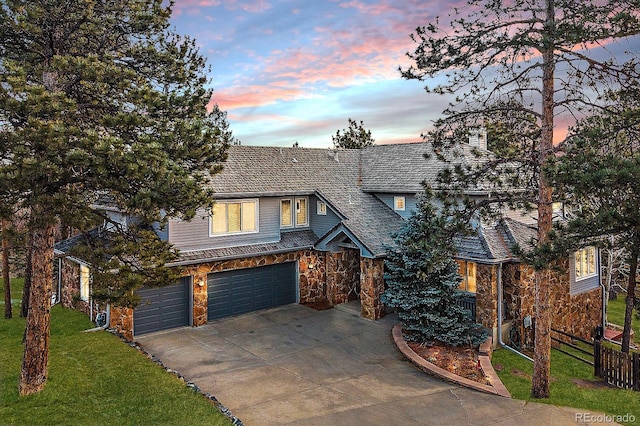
504	345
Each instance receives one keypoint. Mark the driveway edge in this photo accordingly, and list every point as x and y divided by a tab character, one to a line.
496	387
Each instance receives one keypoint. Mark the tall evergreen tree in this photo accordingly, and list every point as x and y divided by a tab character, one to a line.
6	276
597	177
525	58
355	137
98	99
422	279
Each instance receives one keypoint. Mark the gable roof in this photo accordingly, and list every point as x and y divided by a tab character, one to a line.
398	168
334	175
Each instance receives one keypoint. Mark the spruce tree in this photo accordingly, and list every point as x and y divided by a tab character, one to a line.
422	280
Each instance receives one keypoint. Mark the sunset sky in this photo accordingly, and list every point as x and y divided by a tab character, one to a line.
295	70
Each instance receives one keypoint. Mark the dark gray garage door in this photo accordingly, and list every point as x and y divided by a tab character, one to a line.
162	308
246	290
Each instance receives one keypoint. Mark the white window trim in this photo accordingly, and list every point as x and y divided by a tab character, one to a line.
245	200
320	210
595	271
397	198
293	214
85	287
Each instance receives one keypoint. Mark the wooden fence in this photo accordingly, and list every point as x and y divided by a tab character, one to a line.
615	367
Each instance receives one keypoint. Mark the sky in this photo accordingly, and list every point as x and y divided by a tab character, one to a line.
290	71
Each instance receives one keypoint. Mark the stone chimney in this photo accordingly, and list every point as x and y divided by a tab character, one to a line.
478	137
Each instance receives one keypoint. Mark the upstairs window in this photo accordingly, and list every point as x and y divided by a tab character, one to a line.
398	203
286	214
468	273
585	263
302	214
233	217
322	208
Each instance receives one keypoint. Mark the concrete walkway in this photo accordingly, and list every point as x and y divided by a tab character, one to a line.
294	365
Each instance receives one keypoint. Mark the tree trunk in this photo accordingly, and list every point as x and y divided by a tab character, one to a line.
26	290
33	374
631	290
542	350
8	313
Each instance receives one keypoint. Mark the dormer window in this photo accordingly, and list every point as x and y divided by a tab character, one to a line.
234	217
294	212
322	208
398	203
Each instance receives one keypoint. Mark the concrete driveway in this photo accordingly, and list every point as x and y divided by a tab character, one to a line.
294	365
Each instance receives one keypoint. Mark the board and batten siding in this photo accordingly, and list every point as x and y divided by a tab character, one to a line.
410	201
195	234
321	224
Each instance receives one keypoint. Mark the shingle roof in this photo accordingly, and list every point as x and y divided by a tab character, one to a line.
403	167
335	175
294	240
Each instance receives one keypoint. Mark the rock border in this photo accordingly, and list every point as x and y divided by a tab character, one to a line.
224	410
484	357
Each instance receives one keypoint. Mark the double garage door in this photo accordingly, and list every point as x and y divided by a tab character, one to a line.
245	290
230	293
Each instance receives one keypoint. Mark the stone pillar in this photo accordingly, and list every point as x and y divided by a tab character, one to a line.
487	296
200	298
371	288
122	321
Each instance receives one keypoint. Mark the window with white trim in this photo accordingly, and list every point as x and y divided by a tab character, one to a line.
286	213
399	203
302	213
467	271
322	208
585	263
85	280
234	217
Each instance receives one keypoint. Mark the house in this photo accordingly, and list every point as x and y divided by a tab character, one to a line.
312	226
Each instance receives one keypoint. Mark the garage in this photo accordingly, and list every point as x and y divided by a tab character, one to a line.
163	308
245	290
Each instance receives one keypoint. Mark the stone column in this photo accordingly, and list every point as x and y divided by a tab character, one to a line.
371	288
122	321
200	297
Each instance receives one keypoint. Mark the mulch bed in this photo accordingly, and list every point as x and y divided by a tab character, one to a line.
462	361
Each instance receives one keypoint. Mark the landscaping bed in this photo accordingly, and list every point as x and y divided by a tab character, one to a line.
462	361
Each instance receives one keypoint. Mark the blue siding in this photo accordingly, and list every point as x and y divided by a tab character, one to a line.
321	224
410	202
584	285
162	232
194	235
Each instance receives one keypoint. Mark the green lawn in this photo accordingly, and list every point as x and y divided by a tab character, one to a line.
565	371
94	378
615	315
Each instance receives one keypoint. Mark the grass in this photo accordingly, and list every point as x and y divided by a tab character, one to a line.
615	315
94	378
516	376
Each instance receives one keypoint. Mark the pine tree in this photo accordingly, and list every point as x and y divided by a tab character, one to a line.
355	137
525	59
422	279
98	99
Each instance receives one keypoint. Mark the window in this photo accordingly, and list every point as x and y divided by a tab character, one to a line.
468	273
286	214
398	203
322	208
585	263
232	217
85	277
302	218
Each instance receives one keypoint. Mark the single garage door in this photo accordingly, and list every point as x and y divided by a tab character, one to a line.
162	308
245	290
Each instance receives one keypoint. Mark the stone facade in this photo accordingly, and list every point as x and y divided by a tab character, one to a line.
343	275
578	314
372	286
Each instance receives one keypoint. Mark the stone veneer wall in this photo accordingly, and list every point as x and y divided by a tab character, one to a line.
343	275
578	314
487	295
70	288
371	288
